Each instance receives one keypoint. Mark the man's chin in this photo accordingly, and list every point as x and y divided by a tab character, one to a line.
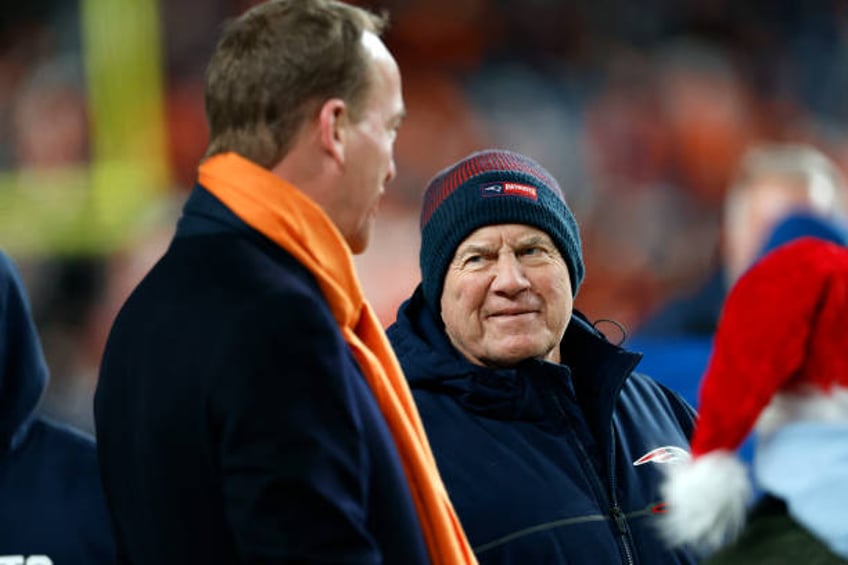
510	355
358	242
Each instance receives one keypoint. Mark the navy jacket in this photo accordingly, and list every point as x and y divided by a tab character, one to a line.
234	424
542	461
51	501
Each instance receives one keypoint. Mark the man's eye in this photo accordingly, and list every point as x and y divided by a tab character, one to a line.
531	251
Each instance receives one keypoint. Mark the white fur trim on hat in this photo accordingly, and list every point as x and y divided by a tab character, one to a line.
707	500
804	404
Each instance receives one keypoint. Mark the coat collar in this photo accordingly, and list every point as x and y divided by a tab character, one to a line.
592	368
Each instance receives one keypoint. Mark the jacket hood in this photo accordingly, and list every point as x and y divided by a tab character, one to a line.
431	362
806	224
24	370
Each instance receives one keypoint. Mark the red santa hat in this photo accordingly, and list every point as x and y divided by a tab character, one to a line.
780	355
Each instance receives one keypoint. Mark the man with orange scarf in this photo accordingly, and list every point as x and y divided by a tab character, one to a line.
249	407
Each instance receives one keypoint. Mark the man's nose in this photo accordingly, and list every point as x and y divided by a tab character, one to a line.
510	277
391	173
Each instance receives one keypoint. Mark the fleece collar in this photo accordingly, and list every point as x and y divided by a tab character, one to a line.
591	366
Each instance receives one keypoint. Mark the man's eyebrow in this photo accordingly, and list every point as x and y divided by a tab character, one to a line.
473	248
536	240
533	240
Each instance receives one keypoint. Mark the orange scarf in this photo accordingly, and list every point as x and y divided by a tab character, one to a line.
294	222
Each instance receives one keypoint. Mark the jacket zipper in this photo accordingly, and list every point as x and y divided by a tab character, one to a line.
616	512
621	524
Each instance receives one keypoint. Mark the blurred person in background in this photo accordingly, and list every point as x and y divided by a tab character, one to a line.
49	139
550	445
780	366
249	406
52	507
49	118
781	191
774	181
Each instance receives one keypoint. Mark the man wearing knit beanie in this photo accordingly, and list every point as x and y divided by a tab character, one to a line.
550	445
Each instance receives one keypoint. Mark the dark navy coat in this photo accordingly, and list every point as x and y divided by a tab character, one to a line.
234	424
51	503
547	463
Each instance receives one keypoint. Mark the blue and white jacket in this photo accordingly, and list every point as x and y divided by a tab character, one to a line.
544	462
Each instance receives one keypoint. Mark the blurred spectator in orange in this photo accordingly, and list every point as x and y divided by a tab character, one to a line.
188	134
424	37
709	115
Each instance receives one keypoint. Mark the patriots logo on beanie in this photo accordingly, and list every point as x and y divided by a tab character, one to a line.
491	187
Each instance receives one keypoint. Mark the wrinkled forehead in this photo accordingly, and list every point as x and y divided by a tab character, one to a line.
512	235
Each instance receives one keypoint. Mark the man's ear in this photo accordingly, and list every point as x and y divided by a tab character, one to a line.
333	121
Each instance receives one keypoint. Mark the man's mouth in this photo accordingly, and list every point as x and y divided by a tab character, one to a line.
511	313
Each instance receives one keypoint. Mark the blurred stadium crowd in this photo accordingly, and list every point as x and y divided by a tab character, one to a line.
641	109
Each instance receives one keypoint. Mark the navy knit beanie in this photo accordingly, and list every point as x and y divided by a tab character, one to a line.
486	188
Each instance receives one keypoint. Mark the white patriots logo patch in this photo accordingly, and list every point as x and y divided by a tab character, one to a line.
667	454
510	189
